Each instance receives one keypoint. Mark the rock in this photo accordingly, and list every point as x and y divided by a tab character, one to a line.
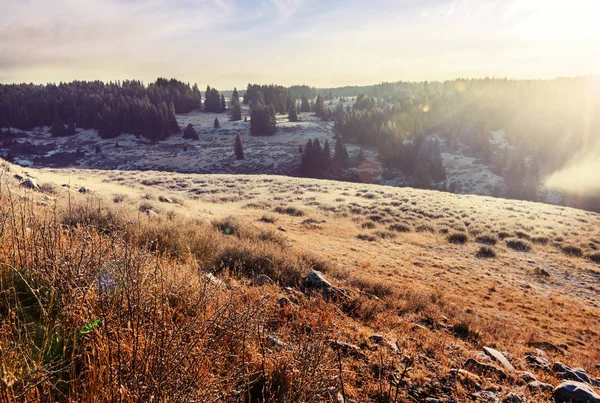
514	398
538	362
262	279
432	400
18	177
575	392
379	339
499	357
29	183
564	372
539	353
315	279
273	341
284	301
480	368
151	213
335	293
486	396
347	349
83	189
527	377
282	229
164	199
482	357
537	386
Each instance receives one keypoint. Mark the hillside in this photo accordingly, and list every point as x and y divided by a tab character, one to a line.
417	284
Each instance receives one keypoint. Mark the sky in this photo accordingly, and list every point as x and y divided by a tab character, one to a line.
322	43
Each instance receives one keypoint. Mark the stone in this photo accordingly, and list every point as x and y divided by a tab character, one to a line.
538	362
480	368
151	213
273	341
83	189
537	386
29	183
467	378
575	392
498	357
282	229
514	398
164	199
262	279
213	280
315	279
347	349
381	340
432	400
527	377
578	374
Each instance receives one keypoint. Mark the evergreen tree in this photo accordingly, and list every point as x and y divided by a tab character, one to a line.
263	121
190	133
223	103
71	129
293	113
239	147
319	107
236	110
98	150
340	153
58	128
216	123
326	157
305	106
235	96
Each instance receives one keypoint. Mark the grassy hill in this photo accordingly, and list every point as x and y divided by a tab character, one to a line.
150	286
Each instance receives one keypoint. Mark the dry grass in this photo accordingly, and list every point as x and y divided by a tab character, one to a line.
145	280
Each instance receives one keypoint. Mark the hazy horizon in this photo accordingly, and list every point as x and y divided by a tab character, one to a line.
228	43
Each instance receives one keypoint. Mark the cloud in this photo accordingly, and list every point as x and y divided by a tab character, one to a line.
286	8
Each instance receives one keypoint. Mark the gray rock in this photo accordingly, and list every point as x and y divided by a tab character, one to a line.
574	374
262	279
513	398
538	362
527	377
379	339
575	392
537	386
151	213
347	348
164	199
315	279
29	183
83	189
213	280
432	400
282	229
273	341
499	357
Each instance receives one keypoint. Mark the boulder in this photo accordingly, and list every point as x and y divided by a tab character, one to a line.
83	189
538	362
347	349
527	377
537	386
30	183
276	343
498	357
151	213
573	374
514	398
315	279
284	301
575	392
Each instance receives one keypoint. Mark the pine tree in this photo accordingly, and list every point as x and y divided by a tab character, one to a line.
190	133
293	113
239	147
71	129
305	106
326	157
223	103
319	107
58	128
236	110
98	150
341	153
235	96
216	123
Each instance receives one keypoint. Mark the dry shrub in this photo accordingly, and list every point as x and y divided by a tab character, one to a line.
540	240
520	245
292	211
487	239
49	188
572	250
400	228
458	238
486	252
594	257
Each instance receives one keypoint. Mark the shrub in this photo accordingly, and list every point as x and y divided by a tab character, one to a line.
458	238
368	225
572	250
268	219
292	211
366	237
228	225
119	198
487	239
400	228
49	188
485	252
520	245
594	257
426	228
540	240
